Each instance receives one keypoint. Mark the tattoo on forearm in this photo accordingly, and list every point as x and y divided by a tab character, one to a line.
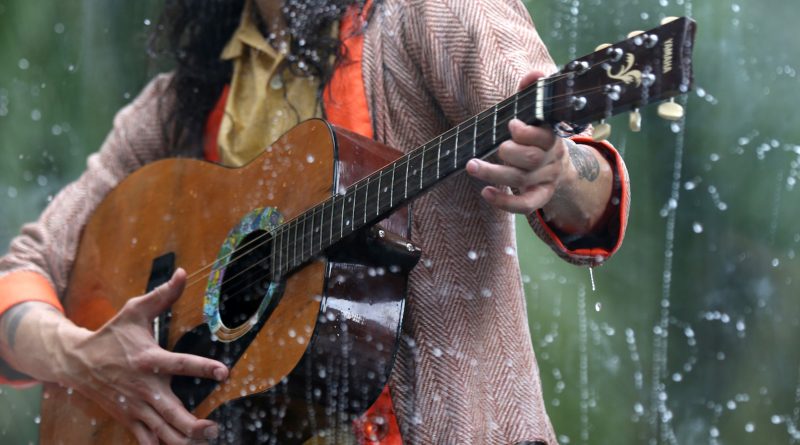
11	320
583	159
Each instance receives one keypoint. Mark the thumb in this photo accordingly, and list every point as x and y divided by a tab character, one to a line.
164	296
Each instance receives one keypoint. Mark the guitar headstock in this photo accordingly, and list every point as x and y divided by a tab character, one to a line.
648	67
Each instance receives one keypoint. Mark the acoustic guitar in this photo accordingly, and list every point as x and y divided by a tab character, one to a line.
292	284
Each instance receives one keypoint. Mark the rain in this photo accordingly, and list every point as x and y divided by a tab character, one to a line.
688	335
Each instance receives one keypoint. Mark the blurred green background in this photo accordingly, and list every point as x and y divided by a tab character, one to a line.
688	336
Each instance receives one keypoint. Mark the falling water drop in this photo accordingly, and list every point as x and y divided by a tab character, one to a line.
591	278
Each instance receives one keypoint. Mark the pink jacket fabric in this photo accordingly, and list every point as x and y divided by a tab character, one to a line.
466	370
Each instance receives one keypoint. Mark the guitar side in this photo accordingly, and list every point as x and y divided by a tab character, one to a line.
187	208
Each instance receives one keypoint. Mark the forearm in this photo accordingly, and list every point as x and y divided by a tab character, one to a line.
33	336
582	196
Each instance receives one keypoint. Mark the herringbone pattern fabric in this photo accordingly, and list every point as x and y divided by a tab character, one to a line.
466	371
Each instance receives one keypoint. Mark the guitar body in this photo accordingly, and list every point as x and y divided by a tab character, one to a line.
309	355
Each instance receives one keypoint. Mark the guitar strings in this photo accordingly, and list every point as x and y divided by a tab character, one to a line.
550	80
283	229
420	151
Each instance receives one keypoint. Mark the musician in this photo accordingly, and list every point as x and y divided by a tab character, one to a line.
245	73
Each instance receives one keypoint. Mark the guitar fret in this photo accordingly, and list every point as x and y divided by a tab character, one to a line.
303	238
391	187
333	202
475	137
294	244
366	199
494	127
438	156
378	200
353	218
408	163
455	147
422	164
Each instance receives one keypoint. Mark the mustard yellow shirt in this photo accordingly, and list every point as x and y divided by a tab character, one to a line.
266	98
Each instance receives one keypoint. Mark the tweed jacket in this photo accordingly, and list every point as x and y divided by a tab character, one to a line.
466	370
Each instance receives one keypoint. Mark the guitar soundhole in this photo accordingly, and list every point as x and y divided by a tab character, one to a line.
247	279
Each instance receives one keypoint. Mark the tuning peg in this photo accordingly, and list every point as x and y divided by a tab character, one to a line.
670	111
602	46
602	131
635	121
666	20
634	33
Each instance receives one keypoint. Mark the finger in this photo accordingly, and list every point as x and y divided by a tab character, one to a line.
529	78
172	363
533	199
161	298
523	157
174	413
158	425
143	435
497	174
524	134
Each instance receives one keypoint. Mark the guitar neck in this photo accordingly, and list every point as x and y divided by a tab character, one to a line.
647	67
369	200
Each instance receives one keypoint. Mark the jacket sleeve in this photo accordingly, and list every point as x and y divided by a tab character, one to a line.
474	54
38	263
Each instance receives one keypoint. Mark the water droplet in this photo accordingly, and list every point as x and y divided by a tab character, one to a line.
436	352
591	278
697	227
23	64
776	419
713	432
749	427
292	333
598	306
677	377
310	159
121	399
36	115
37	420
735	7
147	22
510	251
472	255
59	28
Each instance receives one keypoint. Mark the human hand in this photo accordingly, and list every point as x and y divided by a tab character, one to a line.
121	367
535	161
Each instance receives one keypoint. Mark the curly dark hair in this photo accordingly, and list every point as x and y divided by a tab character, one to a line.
192	33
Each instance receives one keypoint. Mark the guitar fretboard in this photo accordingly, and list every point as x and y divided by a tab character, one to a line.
372	198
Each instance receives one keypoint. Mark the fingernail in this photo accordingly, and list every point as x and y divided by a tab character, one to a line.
211	432
219	374
472	166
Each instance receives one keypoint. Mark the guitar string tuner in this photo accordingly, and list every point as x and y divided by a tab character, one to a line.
670	111
635	33
602	46
601	131
635	120
666	20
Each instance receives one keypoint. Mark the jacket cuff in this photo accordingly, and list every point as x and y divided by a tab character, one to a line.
21	287
594	248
